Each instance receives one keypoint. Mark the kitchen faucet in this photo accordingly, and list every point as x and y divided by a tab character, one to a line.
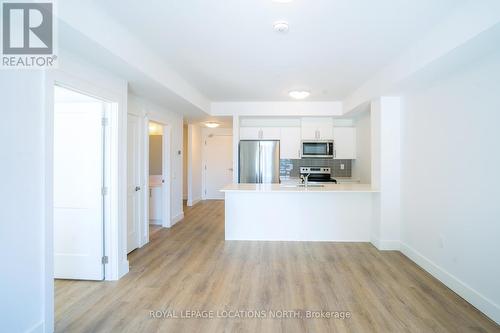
305	179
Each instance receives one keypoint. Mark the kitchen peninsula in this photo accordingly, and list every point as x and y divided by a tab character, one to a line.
293	212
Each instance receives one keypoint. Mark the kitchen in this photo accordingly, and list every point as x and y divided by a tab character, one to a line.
302	179
316	156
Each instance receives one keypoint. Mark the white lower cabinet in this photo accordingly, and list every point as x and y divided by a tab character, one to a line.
290	143
155	205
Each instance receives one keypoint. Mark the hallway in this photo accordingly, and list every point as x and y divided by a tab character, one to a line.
190	267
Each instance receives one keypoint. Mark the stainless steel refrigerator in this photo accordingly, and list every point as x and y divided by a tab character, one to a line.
259	161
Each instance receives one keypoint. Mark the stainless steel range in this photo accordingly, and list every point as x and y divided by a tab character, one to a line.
316	175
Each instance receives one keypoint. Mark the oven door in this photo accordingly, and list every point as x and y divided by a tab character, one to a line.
323	149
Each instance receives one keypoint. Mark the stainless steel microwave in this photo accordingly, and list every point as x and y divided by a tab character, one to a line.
322	149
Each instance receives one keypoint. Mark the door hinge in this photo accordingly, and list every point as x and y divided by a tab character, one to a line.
104	191
104	121
104	260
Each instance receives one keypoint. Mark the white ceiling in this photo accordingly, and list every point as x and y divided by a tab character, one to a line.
229	51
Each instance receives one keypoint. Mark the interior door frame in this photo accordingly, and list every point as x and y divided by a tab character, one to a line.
166	175
116	230
206	132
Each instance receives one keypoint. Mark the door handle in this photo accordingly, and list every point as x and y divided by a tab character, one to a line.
230	169
137	188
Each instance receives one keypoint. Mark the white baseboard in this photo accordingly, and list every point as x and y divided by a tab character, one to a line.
176	219
193	202
485	305
123	269
38	328
155	222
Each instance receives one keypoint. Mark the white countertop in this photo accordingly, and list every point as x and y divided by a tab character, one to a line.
293	188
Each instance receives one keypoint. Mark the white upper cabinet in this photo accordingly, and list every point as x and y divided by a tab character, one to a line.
260	133
250	133
271	133
315	128
344	140
290	143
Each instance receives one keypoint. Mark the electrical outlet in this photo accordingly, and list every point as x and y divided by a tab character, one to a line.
342	166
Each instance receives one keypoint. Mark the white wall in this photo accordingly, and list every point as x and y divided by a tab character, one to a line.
385	122
194	164
451	181
22	199
142	107
361	167
276	108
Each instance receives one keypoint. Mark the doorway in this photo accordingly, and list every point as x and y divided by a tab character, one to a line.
156	179
218	164
80	183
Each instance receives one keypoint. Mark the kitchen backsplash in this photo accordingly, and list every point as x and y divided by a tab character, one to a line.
290	168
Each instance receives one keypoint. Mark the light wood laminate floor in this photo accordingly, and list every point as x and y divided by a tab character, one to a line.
191	267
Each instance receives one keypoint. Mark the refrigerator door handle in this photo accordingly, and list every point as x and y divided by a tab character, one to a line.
260	163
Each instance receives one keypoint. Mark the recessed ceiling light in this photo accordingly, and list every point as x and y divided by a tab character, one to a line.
280	26
212	124
299	94
282	1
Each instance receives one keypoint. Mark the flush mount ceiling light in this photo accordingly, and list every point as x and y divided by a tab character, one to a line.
155	129
212	124
299	94
280	26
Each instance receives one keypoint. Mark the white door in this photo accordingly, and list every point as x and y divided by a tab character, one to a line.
133	182
218	165
78	181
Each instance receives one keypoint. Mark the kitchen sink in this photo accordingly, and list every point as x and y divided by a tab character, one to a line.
303	185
